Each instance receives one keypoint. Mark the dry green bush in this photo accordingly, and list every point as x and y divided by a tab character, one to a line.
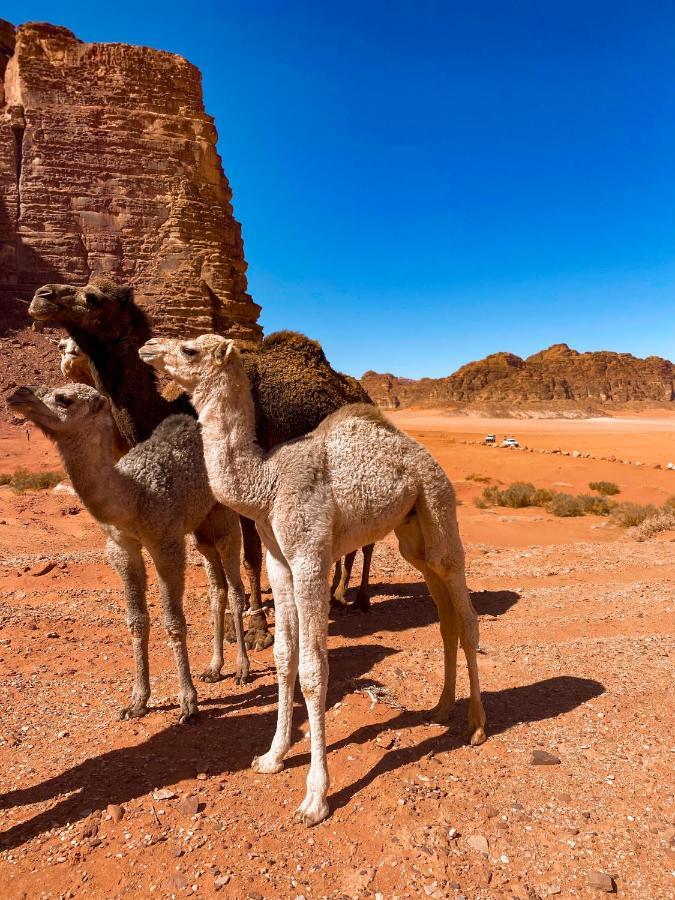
670	503
629	515
593	505
564	505
608	488
23	480
662	520
481	479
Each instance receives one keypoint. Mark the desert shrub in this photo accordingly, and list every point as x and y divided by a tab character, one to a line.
670	503
593	505
608	488
662	520
481	479
565	506
629	515
492	496
518	495
481	503
23	480
541	497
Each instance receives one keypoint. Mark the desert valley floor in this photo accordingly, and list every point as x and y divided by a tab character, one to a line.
576	660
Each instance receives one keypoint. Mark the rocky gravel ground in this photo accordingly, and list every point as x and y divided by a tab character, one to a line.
570	796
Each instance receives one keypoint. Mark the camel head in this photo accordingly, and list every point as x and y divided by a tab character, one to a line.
191	362
101	307
57	411
74	363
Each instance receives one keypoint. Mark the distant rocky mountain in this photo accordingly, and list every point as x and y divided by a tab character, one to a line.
556	377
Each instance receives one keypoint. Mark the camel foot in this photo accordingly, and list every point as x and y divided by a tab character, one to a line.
440	714
135	711
211	675
189	718
476	736
311	811
189	710
267	764
258	636
361	602
242	677
338	601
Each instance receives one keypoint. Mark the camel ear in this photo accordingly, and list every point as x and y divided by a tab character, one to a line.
223	352
100	403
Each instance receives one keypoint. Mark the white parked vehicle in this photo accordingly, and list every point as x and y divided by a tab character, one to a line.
510	442
491	439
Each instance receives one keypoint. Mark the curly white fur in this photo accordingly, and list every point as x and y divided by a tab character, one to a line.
346	484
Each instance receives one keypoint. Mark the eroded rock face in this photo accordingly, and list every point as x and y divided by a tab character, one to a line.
556	375
108	164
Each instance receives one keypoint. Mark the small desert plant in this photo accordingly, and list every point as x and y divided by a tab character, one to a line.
670	503
663	520
593	505
629	515
518	495
607	488
482	479
23	480
565	506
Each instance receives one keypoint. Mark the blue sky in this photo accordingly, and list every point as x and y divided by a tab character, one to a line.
423	183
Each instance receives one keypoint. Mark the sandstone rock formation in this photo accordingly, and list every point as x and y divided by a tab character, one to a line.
108	164
555	376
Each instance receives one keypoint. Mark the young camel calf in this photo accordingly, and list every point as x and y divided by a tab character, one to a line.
344	485
151	498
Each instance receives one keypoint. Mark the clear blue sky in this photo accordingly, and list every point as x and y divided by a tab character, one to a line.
423	183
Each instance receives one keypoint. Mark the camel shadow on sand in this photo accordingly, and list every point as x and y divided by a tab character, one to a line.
223	744
399	607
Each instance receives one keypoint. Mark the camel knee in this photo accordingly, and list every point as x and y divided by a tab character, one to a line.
138	624
314	676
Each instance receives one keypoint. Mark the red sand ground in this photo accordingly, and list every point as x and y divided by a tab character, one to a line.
576	634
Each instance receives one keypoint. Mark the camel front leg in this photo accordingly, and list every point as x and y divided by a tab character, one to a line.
126	558
286	661
229	548
312	600
169	559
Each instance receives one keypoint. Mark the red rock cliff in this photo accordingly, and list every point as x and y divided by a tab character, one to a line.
108	163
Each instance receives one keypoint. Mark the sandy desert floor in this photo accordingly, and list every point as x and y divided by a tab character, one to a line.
576	640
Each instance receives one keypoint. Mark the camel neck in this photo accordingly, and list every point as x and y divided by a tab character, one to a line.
241	477
88	458
137	404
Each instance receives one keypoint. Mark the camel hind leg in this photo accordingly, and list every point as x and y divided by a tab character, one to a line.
432	544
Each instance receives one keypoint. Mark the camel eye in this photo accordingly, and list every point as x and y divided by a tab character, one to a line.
188	351
92	299
63	401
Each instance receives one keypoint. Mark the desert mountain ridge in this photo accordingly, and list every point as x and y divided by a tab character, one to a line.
556	379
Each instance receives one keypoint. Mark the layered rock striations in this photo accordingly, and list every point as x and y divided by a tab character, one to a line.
108	164
553	376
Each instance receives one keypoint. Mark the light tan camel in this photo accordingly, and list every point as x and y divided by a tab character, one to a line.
151	498
74	364
344	485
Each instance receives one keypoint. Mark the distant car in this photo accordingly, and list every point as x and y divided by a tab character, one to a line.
491	439
510	442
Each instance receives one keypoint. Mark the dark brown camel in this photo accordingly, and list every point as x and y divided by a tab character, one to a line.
294	387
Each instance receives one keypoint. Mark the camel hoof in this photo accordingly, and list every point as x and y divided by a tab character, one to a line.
134	712
338	602
265	765
189	718
361	603
309	814
211	677
258	636
439	715
476	737
244	678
